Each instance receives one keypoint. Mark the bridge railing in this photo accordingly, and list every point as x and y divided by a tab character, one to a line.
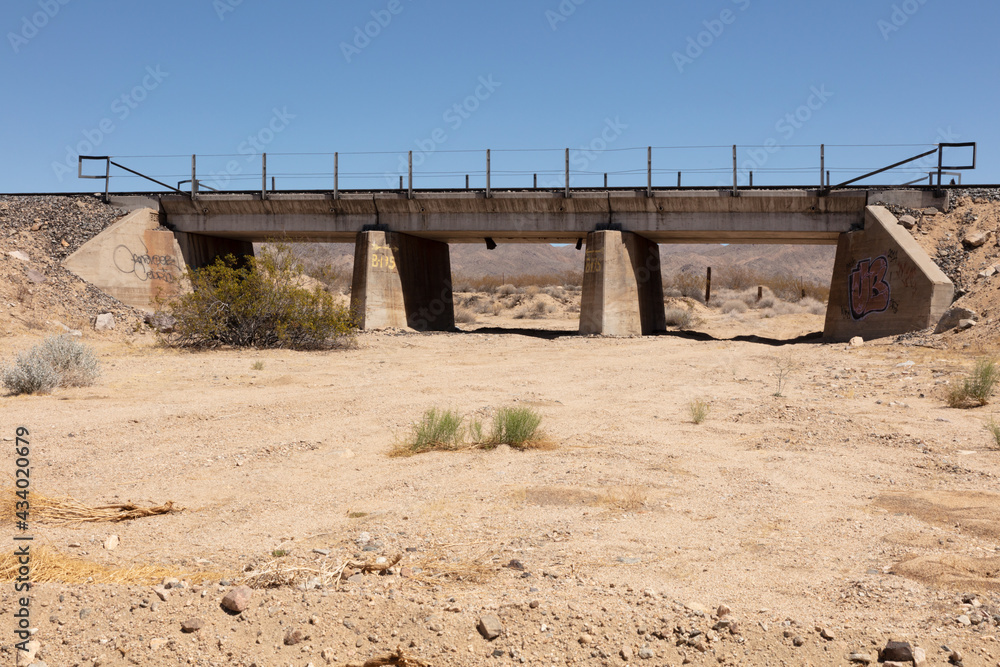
594	166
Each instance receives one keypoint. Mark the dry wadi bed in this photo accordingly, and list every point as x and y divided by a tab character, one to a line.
855	506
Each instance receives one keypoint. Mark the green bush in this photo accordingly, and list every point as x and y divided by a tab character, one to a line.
437	430
58	361
258	302
977	387
516	427
994	430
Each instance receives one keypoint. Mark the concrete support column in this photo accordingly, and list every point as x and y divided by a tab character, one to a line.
402	281
883	283
622	286
200	250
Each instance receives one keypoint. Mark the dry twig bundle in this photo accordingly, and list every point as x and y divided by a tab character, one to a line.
67	510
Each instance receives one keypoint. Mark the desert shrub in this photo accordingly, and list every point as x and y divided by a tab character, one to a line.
766	301
506	290
516	427
672	293
688	284
58	361
678	317
813	306
465	316
437	430
994	430
734	306
257	303
977	387
258	366
699	409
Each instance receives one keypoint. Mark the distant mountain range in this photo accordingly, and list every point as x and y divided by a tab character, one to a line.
811	263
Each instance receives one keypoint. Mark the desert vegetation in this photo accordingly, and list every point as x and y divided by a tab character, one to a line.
977	387
58	361
258	302
444	430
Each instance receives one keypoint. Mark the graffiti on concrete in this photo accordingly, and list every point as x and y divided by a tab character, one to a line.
868	292
145	266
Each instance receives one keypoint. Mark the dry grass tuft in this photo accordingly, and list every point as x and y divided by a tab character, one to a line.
67	510
627	498
49	566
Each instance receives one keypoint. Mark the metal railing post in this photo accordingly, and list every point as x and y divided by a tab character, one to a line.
678	180
822	163
409	191
194	177
567	194
107	181
649	171
488	195
263	179
336	175
736	190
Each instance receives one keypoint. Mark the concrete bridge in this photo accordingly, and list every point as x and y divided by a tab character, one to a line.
883	284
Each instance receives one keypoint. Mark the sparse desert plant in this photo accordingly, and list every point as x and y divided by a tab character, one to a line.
58	361
256	302
465	316
437	430
258	366
734	306
517	427
784	366
699	409
813	306
627	498
678	317
994	430
977	387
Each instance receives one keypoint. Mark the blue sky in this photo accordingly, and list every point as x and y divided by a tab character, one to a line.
232	78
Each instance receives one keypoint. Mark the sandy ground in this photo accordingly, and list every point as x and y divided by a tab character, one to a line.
855	503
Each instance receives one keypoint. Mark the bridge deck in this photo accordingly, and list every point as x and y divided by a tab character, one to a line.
526	216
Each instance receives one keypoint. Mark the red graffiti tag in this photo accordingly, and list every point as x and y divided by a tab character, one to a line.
867	291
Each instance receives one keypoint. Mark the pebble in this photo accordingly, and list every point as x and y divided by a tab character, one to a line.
860	658
964	620
626	653
646	653
585	639
798	641
161	593
192	625
237	600
294	636
489	626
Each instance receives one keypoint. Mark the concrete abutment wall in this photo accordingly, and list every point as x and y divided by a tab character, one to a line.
883	283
